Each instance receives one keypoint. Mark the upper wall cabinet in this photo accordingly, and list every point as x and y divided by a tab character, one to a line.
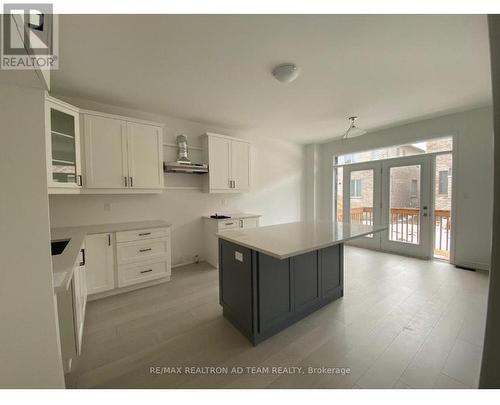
228	162
62	129
121	155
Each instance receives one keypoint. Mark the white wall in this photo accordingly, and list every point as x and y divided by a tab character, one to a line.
29	343
277	188
490	377
473	172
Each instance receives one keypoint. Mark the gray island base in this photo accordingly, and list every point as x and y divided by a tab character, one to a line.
271	277
261	295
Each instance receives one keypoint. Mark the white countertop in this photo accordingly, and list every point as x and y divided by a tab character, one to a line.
240	215
291	239
63	264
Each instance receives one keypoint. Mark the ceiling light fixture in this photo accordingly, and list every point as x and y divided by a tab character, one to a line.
286	72
353	130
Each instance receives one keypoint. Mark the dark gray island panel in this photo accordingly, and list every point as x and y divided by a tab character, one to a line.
235	286
262	295
274	291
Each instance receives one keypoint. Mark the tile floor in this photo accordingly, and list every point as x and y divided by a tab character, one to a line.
402	323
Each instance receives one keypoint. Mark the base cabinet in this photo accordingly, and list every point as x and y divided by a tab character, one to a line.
122	259
100	262
213	226
71	306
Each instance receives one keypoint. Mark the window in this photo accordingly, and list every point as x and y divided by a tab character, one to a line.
414	188
443	182
356	188
418	148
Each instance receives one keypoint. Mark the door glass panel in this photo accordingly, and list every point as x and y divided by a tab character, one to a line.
63	147
442	204
404	204
361	197
339	194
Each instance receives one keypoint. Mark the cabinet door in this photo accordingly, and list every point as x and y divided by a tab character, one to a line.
306	280
240	165
105	152
100	263
63	146
145	162
219	163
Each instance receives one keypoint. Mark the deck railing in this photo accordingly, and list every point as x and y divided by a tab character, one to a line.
404	225
442	220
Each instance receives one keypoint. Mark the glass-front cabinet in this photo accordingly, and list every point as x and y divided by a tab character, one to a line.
63	146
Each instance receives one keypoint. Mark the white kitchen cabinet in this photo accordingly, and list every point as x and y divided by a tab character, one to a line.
145	155
228	162
62	129
100	262
71	306
106	164
143	255
213	226
240	165
121	155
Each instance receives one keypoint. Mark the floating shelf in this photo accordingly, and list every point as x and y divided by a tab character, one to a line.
183	188
64	162
61	134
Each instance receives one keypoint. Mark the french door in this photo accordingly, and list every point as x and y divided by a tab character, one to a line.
396	193
362	184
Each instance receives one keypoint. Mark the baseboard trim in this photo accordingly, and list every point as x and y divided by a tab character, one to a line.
122	290
473	265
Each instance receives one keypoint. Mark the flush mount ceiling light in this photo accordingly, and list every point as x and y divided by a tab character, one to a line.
286	72
353	130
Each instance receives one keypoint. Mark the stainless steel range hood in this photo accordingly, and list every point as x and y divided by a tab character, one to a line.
183	164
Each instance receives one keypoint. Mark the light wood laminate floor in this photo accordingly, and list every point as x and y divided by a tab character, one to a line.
402	323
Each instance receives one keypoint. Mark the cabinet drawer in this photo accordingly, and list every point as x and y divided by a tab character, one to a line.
141	234
139	251
247	223
128	275
229	224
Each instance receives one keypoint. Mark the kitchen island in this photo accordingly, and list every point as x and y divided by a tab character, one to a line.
271	277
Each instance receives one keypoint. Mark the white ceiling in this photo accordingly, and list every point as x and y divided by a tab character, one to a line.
216	69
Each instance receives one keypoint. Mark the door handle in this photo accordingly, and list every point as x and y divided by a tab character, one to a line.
126	181
131	181
144	250
109	239
146	271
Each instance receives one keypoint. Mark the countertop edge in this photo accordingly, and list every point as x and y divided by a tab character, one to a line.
222	235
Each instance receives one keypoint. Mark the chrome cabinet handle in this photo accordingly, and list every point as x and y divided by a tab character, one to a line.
145	250
82	263
145	271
